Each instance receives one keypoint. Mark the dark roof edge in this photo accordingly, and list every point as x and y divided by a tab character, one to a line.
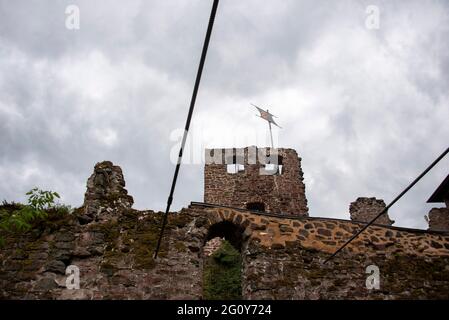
440	192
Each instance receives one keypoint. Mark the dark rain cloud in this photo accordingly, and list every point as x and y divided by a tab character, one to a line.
366	109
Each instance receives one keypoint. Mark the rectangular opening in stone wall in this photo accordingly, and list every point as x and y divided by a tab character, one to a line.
235	168
256	206
272	169
271	165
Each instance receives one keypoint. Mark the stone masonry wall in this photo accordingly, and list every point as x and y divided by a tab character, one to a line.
279	192
365	209
283	258
105	192
439	219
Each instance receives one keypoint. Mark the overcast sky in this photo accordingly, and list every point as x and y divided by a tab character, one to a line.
366	109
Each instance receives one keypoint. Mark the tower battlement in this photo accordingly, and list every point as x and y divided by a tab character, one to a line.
263	179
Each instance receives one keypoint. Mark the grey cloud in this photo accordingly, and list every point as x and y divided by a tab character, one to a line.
366	110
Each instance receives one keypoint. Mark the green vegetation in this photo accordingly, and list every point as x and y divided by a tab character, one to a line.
138	239
222	274
16	217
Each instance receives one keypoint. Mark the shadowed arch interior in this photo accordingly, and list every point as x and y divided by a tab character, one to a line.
228	230
256	206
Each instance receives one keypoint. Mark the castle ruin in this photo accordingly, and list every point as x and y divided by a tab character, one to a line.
282	248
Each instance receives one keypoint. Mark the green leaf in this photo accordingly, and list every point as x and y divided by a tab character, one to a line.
39	202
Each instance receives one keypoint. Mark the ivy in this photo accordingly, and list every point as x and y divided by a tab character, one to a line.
222	274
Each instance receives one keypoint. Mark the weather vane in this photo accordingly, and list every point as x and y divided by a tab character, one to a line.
264	114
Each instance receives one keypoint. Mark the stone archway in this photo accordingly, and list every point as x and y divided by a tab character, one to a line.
226	229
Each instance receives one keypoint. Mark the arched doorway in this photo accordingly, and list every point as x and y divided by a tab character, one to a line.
228	230
222	264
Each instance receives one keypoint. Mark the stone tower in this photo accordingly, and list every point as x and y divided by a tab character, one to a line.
261	179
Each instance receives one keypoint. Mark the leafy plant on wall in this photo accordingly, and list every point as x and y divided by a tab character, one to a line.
21	218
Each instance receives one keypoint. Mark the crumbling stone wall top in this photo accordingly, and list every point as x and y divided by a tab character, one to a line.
365	209
115	260
278	190
282	256
438	219
105	191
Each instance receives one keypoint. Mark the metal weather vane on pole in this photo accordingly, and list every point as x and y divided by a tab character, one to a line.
266	115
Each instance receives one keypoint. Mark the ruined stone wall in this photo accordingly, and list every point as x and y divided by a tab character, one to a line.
112	246
283	258
294	272
283	192
105	193
439	219
115	260
366	209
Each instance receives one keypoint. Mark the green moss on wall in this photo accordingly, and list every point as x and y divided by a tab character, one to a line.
222	274
131	237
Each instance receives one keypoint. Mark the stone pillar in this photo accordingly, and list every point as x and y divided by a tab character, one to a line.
365	209
438	219
106	193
